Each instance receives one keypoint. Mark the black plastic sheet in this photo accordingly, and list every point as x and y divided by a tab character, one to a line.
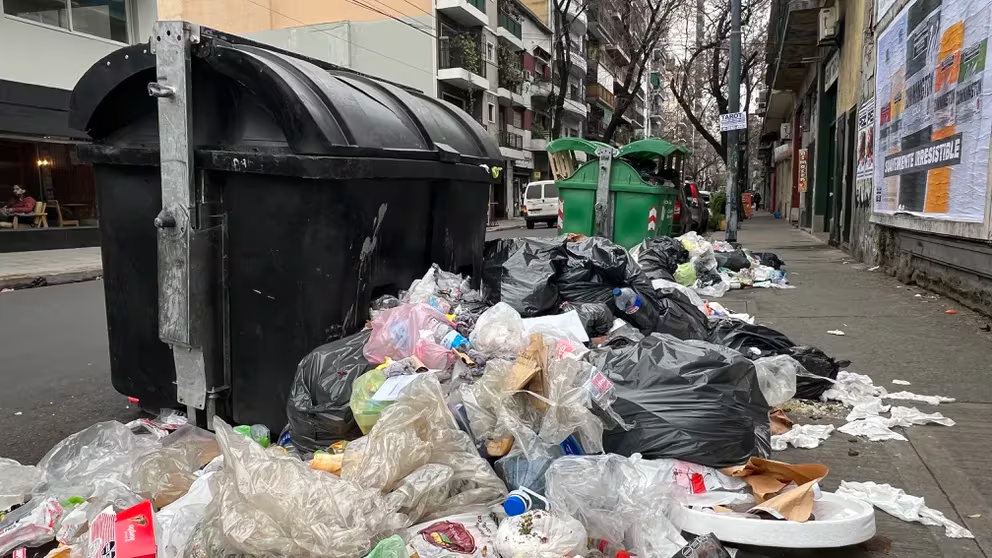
742	336
686	399
680	318
520	272
817	363
318	405
770	259
596	317
660	256
734	261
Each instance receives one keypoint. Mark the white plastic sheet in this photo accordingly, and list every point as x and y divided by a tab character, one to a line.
929	399
909	416
895	502
870	407
851	388
875	429
546	535
804	436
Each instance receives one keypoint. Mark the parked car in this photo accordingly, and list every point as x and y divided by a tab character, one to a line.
540	203
691	212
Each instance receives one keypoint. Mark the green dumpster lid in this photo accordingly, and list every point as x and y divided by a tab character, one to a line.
649	147
575	144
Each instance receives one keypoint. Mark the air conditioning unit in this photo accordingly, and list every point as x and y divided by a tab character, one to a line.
828	25
785	131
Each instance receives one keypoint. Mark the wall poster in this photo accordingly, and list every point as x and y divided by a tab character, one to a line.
932	129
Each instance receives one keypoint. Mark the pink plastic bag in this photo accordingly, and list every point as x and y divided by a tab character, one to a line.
396	331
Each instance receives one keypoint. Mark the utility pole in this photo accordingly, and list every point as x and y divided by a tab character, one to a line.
733	189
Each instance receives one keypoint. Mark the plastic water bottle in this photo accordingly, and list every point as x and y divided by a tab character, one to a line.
448	337
633	307
522	500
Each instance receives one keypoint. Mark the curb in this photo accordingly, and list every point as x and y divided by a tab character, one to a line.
48	279
509	227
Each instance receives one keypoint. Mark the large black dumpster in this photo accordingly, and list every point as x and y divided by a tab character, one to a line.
252	202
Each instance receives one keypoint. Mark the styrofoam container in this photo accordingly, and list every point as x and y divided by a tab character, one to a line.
840	521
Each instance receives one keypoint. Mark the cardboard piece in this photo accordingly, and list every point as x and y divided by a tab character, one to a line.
134	531
532	363
780	422
782	490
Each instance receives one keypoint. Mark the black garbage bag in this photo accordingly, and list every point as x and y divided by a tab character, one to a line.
521	271
734	261
318	406
817	363
596	317
769	259
660	256
742	336
680	318
686	399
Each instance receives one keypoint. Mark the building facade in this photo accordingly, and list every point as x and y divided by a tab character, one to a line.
47	45
879	137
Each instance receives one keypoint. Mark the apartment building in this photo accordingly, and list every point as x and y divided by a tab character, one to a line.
45	46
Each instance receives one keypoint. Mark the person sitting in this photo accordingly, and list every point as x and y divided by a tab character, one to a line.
23	206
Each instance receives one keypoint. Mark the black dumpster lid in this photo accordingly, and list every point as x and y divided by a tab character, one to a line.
320	111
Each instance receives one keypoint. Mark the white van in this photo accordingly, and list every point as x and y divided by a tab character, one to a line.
540	203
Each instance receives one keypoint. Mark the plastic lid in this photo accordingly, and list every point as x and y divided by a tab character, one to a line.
622	554
514	505
616	291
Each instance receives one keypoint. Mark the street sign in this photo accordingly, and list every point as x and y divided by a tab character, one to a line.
803	169
733	121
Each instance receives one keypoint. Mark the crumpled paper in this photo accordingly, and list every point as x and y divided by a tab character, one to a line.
875	429
851	388
895	502
804	436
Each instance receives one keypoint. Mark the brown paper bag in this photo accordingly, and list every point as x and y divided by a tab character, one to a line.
768	478
528	371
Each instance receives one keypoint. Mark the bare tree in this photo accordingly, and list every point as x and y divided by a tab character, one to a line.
564	12
709	58
643	24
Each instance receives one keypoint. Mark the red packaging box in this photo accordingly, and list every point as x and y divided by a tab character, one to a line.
135	532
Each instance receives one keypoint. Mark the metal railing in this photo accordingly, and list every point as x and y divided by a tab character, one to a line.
575	93
511	140
480	4
595	91
506	21
452	56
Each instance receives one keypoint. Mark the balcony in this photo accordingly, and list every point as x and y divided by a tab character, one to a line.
596	93
511	145
510	30
577	60
466	12
600	71
576	16
602	24
538	140
510	93
575	101
596	127
460	65
798	22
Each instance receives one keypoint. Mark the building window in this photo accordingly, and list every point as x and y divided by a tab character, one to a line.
490	52
491	110
101	18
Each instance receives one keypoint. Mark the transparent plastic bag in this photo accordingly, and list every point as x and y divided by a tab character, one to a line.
179	520
268	503
700	251
16	482
685	274
499	332
777	378
416	430
393	547
541	534
616	501
365	409
32	524
396	331
102	451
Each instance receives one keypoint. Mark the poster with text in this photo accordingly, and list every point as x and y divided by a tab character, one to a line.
932	130
866	140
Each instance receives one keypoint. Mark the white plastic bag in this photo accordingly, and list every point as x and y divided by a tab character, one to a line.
499	332
468	535
16	482
178	521
32	524
777	378
541	534
895	502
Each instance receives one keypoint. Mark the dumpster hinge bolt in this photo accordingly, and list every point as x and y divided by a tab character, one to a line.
165	220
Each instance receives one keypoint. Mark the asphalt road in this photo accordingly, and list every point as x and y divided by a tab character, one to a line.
55	369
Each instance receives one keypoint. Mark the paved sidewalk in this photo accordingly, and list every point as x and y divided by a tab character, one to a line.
891	333
49	267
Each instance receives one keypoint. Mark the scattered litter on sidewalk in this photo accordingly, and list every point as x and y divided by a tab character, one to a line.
895	502
901	383
950	311
836	332
805	436
580	402
929	399
875	268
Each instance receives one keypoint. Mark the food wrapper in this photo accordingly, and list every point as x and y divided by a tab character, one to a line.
782	490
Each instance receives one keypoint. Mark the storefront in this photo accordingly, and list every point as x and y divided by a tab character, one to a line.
38	153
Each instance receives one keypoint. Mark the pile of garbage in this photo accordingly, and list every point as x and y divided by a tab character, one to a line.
582	401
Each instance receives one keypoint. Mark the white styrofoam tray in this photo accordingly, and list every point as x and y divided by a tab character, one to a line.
840	521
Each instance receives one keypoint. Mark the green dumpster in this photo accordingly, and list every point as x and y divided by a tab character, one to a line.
629	209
